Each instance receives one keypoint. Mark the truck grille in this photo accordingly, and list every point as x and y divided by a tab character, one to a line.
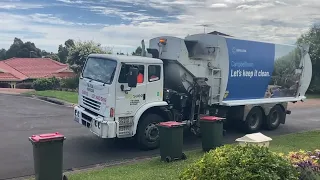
91	103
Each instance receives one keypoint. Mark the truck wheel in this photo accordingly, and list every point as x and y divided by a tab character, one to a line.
275	116
148	132
253	120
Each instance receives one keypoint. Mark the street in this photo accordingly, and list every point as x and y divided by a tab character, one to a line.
22	117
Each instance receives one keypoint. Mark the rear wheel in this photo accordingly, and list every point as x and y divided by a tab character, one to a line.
253	120
275	116
148	132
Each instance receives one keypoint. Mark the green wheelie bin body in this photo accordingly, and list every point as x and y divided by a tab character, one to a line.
48	156
171	140
211	128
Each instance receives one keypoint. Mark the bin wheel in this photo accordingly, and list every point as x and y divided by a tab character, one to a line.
183	156
64	177
168	159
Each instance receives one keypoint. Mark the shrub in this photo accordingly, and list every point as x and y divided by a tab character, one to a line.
46	84
235	162
25	85
307	163
70	83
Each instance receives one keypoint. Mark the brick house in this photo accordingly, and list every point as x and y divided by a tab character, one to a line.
18	70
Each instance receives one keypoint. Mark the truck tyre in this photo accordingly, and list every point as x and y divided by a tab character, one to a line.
253	120
275	116
148	132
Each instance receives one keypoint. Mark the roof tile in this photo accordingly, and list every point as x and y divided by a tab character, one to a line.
24	68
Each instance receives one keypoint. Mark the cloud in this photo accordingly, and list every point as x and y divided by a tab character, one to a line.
133	17
219	5
71	1
280	2
255	7
11	5
280	21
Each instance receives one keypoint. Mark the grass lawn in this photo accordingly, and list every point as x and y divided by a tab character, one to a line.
156	170
71	97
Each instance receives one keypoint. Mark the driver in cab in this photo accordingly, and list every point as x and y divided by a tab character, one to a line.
140	76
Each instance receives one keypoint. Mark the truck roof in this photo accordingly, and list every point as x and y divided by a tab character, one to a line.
244	39
128	59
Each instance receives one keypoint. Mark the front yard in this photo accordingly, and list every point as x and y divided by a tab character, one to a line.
155	170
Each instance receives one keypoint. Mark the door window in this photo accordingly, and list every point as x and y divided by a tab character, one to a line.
154	72
125	70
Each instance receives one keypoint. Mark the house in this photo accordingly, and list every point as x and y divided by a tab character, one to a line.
17	70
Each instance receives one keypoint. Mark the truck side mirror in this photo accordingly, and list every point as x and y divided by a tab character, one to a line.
132	77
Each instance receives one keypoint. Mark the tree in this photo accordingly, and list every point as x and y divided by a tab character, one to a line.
137	52
69	43
22	50
44	53
79	53
53	56
312	37
3	54
63	51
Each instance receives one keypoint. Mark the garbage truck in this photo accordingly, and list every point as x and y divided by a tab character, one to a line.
249	83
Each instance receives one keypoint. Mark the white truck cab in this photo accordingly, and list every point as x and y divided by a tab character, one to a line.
111	100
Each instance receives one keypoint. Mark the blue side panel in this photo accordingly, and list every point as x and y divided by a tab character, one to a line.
251	66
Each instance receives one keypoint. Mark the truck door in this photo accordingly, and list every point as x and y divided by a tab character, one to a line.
154	83
128	103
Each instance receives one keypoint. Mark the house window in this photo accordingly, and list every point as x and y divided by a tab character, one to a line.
154	73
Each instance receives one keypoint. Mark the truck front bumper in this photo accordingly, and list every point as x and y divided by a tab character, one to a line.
96	124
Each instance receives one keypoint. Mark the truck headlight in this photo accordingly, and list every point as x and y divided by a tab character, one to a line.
76	113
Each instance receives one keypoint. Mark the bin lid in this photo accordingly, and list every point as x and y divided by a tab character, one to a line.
171	124
211	118
47	137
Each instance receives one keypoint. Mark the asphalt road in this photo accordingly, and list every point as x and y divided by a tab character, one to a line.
21	117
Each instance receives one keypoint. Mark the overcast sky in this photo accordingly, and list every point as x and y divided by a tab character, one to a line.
122	24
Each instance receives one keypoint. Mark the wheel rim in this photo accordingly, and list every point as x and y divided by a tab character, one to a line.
254	121
151	132
274	118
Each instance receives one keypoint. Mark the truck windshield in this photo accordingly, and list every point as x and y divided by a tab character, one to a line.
100	69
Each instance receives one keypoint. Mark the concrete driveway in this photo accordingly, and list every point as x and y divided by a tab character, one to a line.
22	117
